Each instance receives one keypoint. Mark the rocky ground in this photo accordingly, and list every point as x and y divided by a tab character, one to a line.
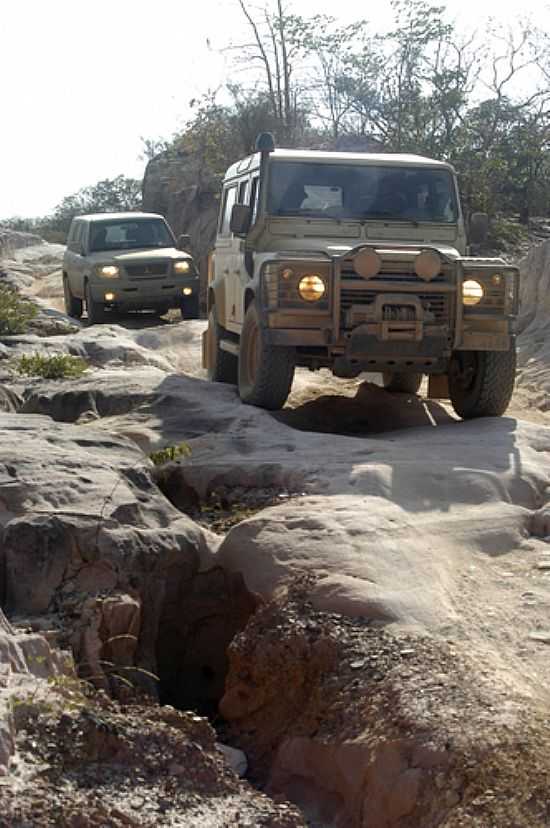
360	581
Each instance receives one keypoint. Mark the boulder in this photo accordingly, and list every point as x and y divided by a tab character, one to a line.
88	537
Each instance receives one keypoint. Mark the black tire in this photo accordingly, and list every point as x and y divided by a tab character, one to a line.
189	308
222	366
403	383
95	310
481	383
265	371
73	306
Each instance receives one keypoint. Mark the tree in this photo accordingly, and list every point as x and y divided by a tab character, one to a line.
279	43
118	194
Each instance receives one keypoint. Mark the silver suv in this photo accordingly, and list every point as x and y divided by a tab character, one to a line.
127	261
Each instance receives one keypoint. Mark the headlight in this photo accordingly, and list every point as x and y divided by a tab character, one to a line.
181	267
187	291
472	292
109	271
311	287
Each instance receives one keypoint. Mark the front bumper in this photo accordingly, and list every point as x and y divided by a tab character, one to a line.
396	315
165	292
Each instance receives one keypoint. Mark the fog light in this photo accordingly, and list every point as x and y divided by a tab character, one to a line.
427	265
187	291
311	287
367	263
472	292
109	297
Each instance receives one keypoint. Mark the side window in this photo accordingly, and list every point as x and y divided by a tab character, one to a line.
228	201
242	192
254	198
76	237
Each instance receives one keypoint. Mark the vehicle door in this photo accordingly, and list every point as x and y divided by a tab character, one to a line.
249	196
73	258
226	259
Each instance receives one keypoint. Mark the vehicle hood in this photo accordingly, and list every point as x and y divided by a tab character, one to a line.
135	256
280	234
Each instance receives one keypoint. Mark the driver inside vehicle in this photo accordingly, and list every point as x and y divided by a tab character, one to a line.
293	198
390	200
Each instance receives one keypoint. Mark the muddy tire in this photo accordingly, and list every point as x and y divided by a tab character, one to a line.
73	306
265	371
95	310
402	383
481	383
222	366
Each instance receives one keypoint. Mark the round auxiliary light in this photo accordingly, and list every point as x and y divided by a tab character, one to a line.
367	263
311	287
427	265
472	292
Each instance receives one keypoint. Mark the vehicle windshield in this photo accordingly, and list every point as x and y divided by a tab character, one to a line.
129	234
348	191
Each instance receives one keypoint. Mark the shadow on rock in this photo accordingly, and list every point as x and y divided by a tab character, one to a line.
372	411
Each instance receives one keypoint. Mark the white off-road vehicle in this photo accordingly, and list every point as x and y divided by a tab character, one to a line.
356	262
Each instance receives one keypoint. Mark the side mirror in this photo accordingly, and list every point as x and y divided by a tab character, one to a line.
239	223
479	226
184	242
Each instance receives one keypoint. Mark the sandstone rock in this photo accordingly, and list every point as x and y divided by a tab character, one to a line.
25	661
169	188
236	759
106	639
12	240
87	535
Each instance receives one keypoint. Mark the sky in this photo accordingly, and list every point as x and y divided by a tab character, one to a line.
82	83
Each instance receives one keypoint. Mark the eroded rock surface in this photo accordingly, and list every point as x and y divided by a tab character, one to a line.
362	727
405	685
90	541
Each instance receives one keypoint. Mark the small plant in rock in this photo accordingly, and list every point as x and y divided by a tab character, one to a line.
58	366
169	453
15	312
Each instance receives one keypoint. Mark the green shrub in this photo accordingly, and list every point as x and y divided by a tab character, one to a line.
170	453
504	233
58	366
15	312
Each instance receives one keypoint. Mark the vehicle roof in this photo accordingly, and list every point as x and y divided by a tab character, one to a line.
252	162
115	216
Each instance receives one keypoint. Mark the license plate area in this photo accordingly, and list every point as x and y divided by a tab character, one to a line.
391	316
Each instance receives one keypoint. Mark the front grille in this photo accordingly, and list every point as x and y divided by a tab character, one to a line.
390	271
147	270
435	305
